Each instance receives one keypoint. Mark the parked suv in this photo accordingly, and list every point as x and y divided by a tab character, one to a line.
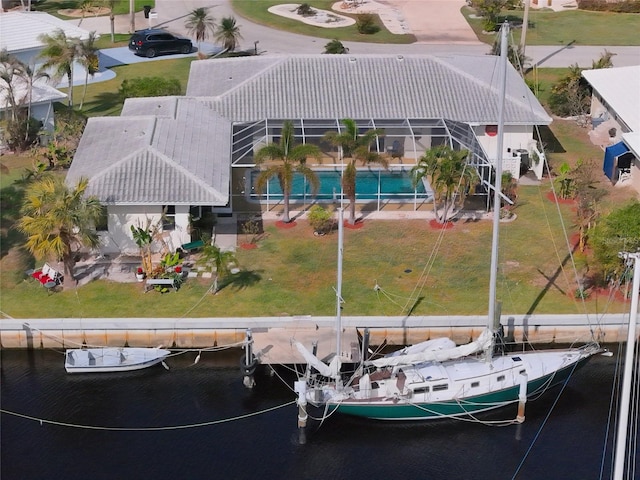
151	42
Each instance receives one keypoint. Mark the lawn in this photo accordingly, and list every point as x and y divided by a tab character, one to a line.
293	273
53	7
257	12
546	27
102	98
576	27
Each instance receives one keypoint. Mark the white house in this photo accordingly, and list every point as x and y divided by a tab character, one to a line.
19	36
615	109
179	155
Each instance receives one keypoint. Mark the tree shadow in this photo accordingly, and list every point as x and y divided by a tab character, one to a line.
241	280
549	140
11	199
103	103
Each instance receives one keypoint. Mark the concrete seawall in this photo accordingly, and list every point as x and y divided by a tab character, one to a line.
207	332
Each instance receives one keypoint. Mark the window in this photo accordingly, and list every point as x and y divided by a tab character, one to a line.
500	378
475	384
102	224
169	217
421	390
442	386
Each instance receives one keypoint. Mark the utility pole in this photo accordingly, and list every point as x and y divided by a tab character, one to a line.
525	24
132	15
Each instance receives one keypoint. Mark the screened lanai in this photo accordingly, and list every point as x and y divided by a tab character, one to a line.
403	142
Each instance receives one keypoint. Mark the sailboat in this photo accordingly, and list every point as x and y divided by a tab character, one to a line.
439	379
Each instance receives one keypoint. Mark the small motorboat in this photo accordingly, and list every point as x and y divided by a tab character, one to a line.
112	359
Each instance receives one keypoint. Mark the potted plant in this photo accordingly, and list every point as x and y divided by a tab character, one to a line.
140	274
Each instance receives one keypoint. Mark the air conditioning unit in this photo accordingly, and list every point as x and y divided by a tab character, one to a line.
523	154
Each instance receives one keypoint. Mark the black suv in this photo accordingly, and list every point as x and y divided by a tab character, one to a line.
153	41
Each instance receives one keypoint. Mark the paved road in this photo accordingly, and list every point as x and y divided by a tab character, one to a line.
172	14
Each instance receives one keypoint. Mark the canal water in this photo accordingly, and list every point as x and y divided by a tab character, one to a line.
199	421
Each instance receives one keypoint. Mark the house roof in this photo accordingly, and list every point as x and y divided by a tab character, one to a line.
176	150
41	92
141	158
20	30
620	88
461	88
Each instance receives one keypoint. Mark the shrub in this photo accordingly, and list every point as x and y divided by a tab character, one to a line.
305	10
320	219
632	6
366	24
20	134
149	87
335	47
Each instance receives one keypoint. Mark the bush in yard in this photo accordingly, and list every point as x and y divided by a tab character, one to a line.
366	24
149	87
320	219
21	135
632	6
305	10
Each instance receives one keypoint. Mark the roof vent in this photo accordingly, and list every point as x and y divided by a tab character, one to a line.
400	58
352	59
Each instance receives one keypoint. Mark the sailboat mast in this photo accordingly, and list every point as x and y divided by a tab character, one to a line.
493	278
625	397
339	283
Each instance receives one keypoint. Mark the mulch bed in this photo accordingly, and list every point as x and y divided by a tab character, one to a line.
248	246
353	226
562	201
440	226
285	225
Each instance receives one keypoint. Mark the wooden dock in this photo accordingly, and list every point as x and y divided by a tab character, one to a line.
276	345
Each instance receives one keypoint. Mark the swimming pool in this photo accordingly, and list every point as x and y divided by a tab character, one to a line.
370	185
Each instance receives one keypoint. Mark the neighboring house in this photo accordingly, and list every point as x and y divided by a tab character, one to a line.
42	98
615	119
20	32
180	154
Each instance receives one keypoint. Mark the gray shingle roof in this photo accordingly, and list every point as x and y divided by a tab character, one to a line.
461	88
144	159
176	150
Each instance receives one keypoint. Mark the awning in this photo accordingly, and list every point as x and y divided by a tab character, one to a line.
610	155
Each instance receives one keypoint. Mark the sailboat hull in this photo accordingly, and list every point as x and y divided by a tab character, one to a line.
407	409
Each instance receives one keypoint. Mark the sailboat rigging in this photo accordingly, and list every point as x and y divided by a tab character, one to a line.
437	379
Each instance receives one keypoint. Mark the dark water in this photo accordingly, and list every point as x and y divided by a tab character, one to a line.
569	446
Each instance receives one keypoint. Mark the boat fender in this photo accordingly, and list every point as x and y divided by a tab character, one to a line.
249	369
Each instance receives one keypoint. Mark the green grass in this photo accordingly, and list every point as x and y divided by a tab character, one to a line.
576	27
102	98
293	273
120	40
53	7
257	12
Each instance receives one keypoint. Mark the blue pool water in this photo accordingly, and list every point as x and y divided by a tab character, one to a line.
389	185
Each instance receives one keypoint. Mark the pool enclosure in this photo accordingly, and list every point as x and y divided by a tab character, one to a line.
403	143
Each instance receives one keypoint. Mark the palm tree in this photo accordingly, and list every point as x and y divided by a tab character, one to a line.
449	175
228	34
111	4
292	159
357	147
9	70
222	260
199	23
88	58
60	53
29	75
58	220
